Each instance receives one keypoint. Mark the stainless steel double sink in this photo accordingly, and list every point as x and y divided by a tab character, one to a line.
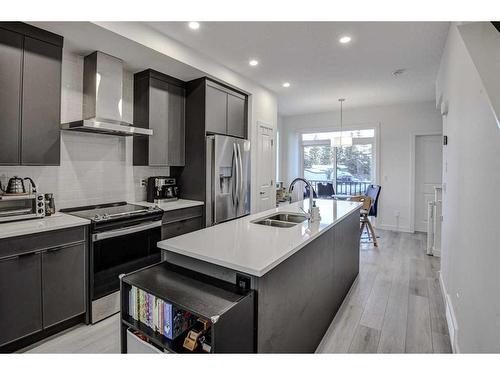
281	220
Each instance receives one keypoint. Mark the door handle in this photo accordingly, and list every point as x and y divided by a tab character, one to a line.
128	230
237	177
241	173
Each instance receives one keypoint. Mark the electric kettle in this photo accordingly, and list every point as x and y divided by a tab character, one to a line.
16	186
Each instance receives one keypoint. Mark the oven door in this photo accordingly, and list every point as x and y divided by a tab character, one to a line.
122	250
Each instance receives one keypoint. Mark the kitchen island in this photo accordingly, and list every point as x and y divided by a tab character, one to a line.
300	274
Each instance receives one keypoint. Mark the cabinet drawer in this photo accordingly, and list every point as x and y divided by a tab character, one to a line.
41	241
181	227
182	214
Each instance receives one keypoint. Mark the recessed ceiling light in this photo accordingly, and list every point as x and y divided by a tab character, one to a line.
286	84
345	39
194	25
253	63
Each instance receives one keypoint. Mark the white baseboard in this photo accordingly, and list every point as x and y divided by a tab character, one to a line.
450	317
393	228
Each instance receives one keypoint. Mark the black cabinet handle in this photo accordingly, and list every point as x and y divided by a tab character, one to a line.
18	256
27	254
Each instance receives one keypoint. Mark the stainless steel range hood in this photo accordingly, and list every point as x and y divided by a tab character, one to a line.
102	98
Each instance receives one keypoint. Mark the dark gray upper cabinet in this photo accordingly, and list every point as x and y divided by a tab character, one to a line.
21	301
225	110
41	112
11	55
30	98
236	115
159	104
216	110
63	283
176	125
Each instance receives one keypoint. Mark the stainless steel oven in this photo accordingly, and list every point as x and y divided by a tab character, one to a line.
123	238
118	251
21	207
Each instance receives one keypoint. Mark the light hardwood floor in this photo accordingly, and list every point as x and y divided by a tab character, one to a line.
395	306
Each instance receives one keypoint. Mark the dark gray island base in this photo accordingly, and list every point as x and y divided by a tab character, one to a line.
297	300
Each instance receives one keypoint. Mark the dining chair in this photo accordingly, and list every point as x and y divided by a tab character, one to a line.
306	192
373	191
325	190
364	213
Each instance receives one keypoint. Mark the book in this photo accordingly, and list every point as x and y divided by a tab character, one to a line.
167	316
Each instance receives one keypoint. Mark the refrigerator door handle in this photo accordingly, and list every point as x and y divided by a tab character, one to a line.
234	166
240	180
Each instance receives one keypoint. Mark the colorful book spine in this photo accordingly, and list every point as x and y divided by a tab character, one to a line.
154	312
167	316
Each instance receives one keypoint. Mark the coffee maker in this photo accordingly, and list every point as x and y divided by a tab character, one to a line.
162	189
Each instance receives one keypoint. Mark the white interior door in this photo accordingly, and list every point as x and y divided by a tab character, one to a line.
428	173
265	169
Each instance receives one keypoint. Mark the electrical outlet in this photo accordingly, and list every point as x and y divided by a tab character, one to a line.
396	213
242	281
143	182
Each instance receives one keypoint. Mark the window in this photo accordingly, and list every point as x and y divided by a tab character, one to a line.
346	161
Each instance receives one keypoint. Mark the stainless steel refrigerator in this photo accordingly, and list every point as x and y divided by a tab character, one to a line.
228	178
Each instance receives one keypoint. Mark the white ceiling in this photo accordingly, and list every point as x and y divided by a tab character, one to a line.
319	68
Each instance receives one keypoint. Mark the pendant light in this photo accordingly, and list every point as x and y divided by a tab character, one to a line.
342	141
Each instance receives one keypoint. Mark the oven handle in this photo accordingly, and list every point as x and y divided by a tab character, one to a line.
122	232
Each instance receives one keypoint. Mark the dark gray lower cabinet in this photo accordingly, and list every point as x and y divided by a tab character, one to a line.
42	283
20	296
63	283
181	227
181	221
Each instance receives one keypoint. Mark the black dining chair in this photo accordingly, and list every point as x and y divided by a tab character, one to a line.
306	192
373	191
325	190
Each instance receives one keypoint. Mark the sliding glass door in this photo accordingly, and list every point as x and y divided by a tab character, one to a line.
339	163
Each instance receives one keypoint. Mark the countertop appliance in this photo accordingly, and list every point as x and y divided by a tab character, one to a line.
15	186
228	178
162	189
123	238
102	98
21	207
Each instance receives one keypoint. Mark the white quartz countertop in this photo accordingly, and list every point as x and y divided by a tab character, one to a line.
253	248
174	205
30	226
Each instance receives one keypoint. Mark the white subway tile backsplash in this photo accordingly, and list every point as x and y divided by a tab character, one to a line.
94	168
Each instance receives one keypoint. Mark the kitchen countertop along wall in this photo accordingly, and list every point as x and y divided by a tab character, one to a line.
48	223
94	168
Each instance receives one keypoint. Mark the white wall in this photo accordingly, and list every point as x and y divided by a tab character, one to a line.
397	123
470	265
94	168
